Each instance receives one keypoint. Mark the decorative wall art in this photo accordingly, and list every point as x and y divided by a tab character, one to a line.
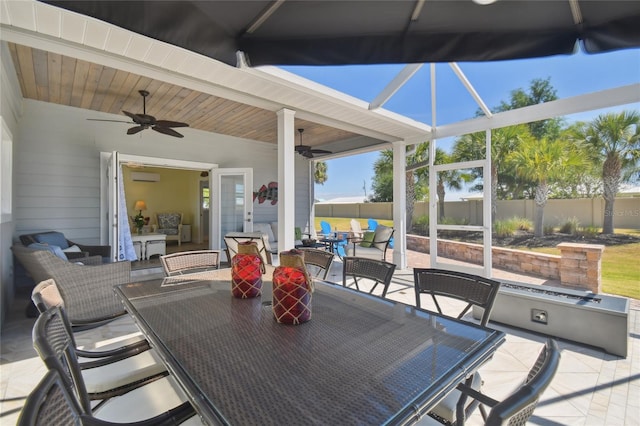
267	192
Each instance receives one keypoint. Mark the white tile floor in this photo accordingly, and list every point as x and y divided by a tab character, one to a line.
591	387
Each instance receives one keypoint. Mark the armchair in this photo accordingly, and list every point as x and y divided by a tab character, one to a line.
87	290
372	246
170	224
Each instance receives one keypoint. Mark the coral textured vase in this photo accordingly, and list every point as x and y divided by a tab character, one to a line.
246	271
292	288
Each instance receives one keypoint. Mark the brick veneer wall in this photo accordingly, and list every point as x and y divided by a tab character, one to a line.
578	266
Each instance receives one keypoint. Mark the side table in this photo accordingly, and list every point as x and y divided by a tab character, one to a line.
150	244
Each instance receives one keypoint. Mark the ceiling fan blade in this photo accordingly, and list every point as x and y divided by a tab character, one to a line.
320	151
134	130
167	131
132	116
307	154
112	121
166	123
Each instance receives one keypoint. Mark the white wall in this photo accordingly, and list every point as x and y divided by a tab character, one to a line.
57	163
10	112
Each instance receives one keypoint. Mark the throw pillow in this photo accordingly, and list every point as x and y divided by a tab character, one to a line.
52	249
367	239
72	249
383	233
53	239
265	228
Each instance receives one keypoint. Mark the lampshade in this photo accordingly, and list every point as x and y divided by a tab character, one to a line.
140	205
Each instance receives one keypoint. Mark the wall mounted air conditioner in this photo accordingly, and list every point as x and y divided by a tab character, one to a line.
145	177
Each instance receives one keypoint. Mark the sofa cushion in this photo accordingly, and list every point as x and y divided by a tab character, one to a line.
266	229
367	239
53	239
382	234
50	248
368	252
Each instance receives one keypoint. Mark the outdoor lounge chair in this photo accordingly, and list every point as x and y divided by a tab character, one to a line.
375	248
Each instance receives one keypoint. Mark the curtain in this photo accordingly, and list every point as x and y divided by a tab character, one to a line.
125	243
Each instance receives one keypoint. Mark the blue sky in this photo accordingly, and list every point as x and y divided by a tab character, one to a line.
570	75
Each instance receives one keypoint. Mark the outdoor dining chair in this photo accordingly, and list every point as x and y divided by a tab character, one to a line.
110	371
454	294
232	239
517	408
153	400
52	402
371	270
187	262
318	262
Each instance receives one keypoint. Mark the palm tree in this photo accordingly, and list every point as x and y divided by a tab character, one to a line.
320	175
544	161
616	137
503	141
451	179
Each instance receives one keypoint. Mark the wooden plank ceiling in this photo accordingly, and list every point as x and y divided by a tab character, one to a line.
64	80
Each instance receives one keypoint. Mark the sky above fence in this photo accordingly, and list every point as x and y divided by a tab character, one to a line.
494	81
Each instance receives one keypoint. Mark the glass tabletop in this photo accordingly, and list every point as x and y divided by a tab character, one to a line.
360	360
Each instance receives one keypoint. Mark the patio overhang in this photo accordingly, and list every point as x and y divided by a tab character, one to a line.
381	31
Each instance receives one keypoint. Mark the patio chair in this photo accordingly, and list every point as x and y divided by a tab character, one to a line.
232	239
372	224
378	271
187	262
454	294
318	262
518	407
86	290
55	347
356	229
107	372
373	245
53	402
325	228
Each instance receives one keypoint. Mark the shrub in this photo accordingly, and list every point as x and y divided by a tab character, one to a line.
570	226
522	223
548	229
421	224
588	231
504	228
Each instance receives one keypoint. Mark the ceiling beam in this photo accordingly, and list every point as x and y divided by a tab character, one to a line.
398	81
590	102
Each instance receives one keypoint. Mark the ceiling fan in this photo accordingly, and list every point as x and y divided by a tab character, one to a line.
306	150
145	121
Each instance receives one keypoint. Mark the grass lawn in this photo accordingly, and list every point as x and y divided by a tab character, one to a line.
620	264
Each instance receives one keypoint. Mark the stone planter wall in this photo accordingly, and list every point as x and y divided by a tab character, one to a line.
578	266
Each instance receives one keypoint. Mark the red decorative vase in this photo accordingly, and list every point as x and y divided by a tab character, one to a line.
246	271
292	288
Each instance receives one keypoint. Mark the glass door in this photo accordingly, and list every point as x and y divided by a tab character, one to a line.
232	207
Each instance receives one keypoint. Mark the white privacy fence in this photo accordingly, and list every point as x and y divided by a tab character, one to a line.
588	211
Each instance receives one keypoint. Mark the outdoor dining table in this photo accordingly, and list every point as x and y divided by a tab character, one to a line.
361	359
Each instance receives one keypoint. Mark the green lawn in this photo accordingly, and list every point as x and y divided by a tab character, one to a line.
620	264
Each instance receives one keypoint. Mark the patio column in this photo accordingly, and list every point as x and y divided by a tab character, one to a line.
400	204
286	178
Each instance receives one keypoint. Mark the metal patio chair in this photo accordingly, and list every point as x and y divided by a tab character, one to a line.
454	294
187	262
112	370
519	406
378	271
232	239
157	400
318	262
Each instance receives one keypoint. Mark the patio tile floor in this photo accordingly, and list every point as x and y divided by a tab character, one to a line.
591	387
